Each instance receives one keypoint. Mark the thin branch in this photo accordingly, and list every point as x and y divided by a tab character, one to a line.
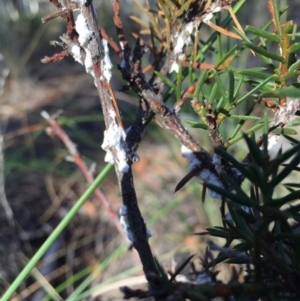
66	12
189	91
118	24
55	57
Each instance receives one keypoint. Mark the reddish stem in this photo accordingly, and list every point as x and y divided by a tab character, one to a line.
71	147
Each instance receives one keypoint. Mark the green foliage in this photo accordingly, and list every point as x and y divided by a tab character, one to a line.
259	225
261	219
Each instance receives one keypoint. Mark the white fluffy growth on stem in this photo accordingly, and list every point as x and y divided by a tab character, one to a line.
208	177
215	8
115	137
205	174
76	53
106	62
188	154
125	224
85	36
82	28
180	39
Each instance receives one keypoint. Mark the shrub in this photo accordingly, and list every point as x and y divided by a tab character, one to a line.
169	63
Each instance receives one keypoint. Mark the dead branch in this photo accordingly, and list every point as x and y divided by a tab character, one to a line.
64	12
55	57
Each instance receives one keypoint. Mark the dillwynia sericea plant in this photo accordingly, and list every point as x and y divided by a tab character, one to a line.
260	222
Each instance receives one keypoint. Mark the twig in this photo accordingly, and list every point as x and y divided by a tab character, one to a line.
55	57
189	91
211	119
118	24
66	12
61	12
